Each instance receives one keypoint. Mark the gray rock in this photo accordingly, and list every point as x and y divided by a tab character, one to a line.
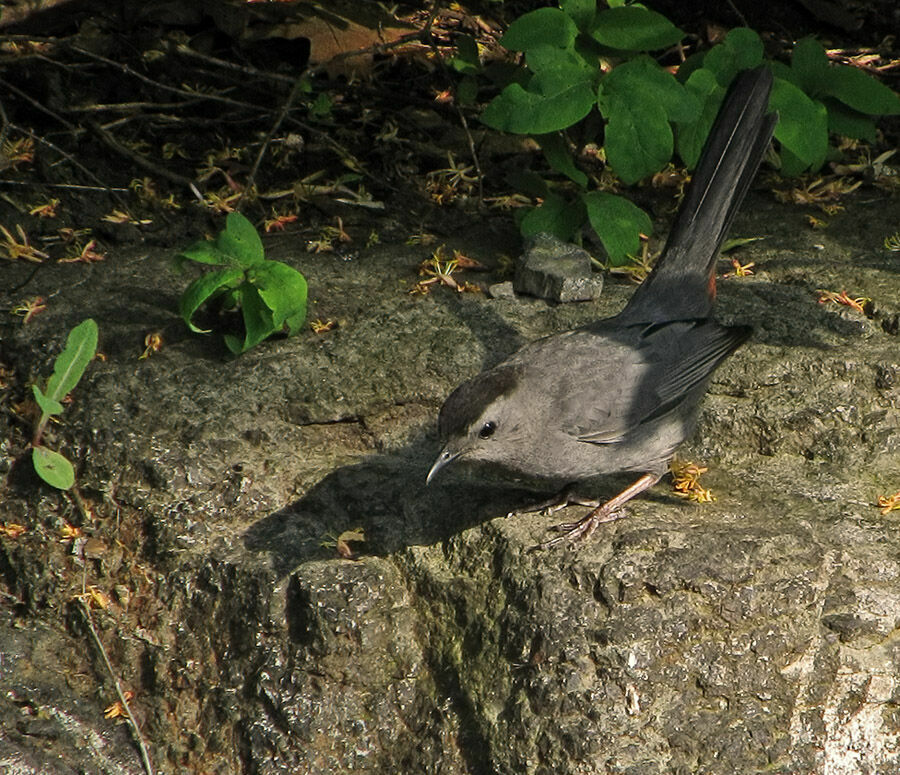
557	271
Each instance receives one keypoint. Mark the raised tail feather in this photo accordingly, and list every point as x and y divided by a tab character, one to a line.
682	284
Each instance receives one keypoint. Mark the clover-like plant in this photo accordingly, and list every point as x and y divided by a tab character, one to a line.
81	346
271	295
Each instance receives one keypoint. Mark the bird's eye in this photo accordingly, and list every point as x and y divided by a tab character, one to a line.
487	430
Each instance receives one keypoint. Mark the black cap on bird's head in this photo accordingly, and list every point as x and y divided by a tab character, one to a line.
472	414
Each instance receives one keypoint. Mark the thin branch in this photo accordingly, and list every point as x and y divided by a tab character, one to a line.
135	728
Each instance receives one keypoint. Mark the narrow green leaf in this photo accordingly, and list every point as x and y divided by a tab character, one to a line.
634	28
53	468
81	346
560	158
47	405
619	224
241	241
258	323
542	27
203	289
283	290
802	127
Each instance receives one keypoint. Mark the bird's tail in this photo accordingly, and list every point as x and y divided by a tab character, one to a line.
683	282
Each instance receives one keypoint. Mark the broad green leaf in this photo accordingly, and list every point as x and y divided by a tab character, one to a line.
467	91
283	290
47	405
555	216
53	468
638	138
742	49
258	322
204	288
206	252
582	12
809	66
634	28
643	80
542	27
619	224
560	158
690	136
844	121
81	346
802	128
241	241
861	92
525	112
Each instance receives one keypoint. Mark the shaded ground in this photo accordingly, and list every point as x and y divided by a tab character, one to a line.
756	633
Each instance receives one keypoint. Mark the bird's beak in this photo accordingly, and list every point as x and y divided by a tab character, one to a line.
444	458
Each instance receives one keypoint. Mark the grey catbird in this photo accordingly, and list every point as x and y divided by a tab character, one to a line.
620	394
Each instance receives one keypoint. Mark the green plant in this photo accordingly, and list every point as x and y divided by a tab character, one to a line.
591	67
271	295
81	346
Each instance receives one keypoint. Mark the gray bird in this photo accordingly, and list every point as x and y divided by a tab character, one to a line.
622	393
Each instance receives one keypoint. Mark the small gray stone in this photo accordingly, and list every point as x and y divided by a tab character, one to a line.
502	290
556	270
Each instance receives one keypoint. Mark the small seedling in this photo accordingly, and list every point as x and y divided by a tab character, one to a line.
68	369
271	295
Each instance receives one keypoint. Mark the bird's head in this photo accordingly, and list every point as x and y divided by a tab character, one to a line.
478	422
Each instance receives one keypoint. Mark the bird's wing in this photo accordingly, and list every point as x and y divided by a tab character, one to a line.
609	382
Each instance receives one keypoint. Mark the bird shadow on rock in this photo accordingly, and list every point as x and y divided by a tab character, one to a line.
385	497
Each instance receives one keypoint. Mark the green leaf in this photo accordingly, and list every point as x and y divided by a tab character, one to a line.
467	91
283	290
802	128
619	224
690	136
203	289
638	139
542	27
258	323
809	66
527	112
206	252
81	346
582	12
844	121
742	49
47	405
240	241
466	60
555	216
634	28
643	80
560	158
53	468
861	92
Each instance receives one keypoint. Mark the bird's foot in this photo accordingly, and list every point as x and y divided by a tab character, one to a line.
566	497
608	512
583	528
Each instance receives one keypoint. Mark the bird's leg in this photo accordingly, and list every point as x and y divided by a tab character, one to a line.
578	531
565	497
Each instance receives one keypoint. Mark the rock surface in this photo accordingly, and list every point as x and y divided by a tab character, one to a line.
557	271
754	634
